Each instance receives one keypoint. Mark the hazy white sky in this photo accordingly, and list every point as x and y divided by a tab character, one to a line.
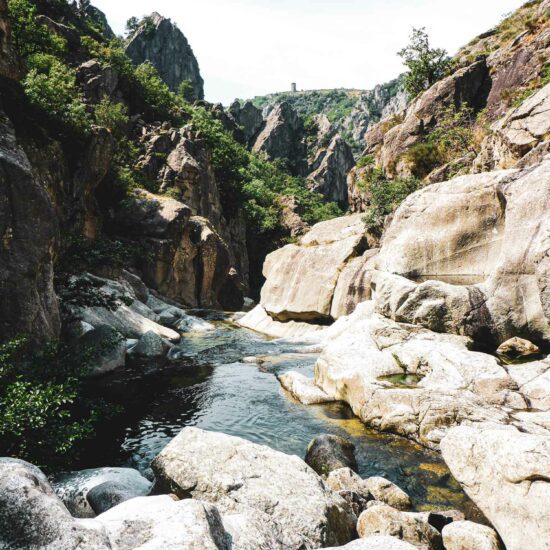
253	47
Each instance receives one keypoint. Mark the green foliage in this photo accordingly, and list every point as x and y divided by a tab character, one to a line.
250	182
113	116
423	157
51	86
452	138
145	88
30	37
186	91
426	65
82	254
367	160
156	93
43	414
384	196
132	25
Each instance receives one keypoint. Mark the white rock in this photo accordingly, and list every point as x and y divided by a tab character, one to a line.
507	474
303	388
161	522
385	520
237	475
376	543
463	535
385	491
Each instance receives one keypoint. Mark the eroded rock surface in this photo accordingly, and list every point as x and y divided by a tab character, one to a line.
163	45
236	475
507	474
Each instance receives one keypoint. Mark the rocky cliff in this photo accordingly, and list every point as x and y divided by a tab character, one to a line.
160	42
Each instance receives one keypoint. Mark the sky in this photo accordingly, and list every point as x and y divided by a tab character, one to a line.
255	47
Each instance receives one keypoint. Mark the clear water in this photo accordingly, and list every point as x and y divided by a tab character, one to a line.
212	388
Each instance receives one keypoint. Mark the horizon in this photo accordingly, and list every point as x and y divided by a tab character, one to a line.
321	46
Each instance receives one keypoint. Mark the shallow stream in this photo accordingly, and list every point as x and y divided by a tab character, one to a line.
212	388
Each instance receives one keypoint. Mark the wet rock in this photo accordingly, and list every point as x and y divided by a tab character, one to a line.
32	516
108	347
259	320
386	491
463	535
327	452
237	475
161	43
506	473
150	345
366	359
515	348
86	493
384	520
303	388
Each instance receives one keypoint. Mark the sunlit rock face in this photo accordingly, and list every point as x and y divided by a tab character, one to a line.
162	44
470	256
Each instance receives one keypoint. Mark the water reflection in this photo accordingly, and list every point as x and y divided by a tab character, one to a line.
212	388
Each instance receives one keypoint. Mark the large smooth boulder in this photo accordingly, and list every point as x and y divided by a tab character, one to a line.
162	522
301	278
506	472
385	491
377	542
463	535
303	388
385	520
479	272
326	453
259	320
159	42
108	347
407	380
32	516
111	486
237	475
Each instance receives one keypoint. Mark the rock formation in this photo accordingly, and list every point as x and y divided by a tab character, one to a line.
161	43
282	138
330	178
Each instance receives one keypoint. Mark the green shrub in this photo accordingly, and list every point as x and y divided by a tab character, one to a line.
384	196
113	116
426	65
367	160
30	37
156	93
423	157
43	413
51	86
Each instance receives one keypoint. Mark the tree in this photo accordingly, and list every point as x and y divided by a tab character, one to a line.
426	65
132	25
